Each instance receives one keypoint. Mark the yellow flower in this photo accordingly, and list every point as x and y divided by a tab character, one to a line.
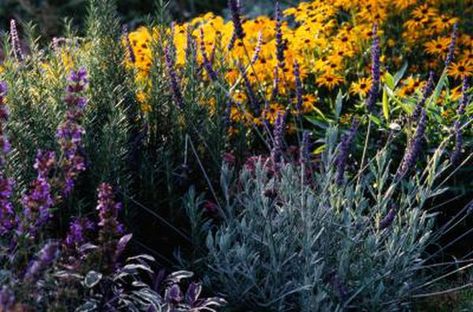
271	114
329	80
460	69
361	87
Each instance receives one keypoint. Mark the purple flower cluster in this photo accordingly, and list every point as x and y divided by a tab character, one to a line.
38	200
77	232
426	92
205	59
344	150
70	132
173	78
234	6
108	209
280	45
276	79
451	47
375	69
15	41
414	147
45	258
457	151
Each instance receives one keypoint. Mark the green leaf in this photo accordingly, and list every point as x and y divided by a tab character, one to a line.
389	80
398	76
319	150
385	105
375	119
317	122
92	278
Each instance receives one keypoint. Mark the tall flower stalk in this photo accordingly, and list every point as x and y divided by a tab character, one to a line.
457	151
375	69
344	151
70	132
15	41
173	78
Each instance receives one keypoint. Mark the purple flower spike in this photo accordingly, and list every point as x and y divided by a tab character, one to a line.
278	137
173	79
8	218
70	133
234	6
280	45
375	69
343	152
129	49
205	59
451	47
254	103
77	232
426	92
108	213
414	147
258	47
15	41
388	219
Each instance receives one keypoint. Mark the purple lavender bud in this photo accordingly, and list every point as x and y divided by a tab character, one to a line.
130	53
278	137
234	6
15	41
254	103
280	45
299	91
227	114
344	150
108	213
77	232
414	147
451	47
388	219
426	92
191	48
205	59
173	294
257	51
45	258
44	163
4	114
375	69
193	293
173	79
36	204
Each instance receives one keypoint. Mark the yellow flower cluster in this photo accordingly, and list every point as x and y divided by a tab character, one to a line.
329	40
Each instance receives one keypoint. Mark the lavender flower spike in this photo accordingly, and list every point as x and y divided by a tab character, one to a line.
234	6
205	59
426	92
388	219
278	137
130	53
413	150
15	41
108	212
173	79
280	46
344	149
8	218
257	51
375	69
451	47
